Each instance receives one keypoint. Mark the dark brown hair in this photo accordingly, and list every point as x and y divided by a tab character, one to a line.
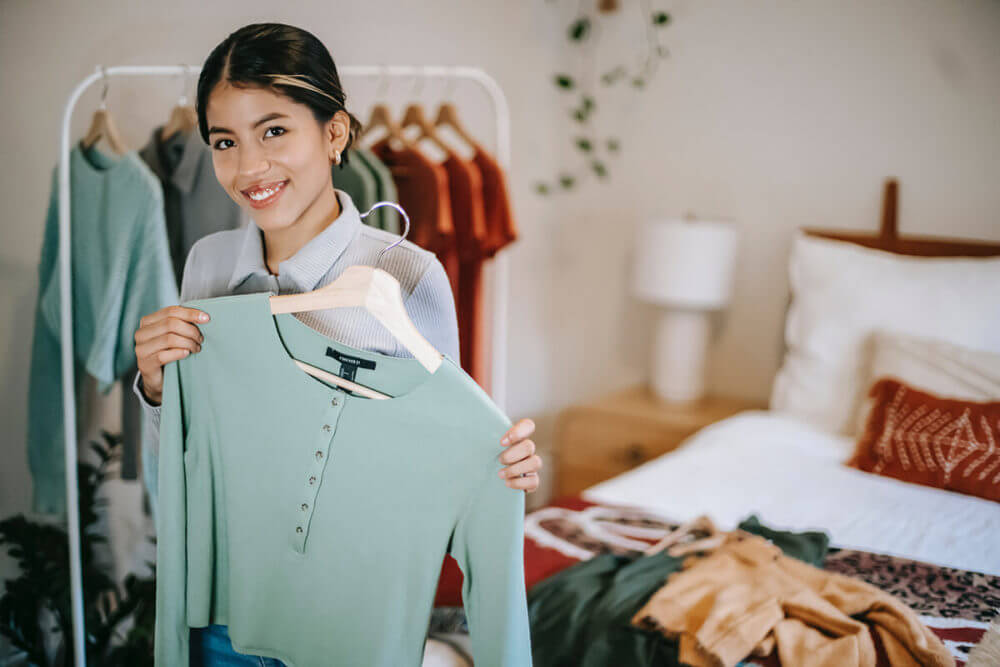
288	60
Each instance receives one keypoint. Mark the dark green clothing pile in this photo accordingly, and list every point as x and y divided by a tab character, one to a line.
580	617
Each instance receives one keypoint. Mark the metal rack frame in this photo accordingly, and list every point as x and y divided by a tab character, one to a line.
499	266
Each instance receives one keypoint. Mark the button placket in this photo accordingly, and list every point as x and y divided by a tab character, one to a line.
313	473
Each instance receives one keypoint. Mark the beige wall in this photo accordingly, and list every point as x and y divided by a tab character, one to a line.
779	115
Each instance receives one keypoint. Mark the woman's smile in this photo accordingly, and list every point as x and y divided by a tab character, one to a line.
261	197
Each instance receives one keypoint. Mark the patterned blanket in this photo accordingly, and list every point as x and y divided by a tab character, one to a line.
955	604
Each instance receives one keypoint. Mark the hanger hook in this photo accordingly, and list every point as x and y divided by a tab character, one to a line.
406	229
104	91
418	84
449	87
383	83
184	81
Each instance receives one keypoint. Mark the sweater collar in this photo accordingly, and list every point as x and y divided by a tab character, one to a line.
306	268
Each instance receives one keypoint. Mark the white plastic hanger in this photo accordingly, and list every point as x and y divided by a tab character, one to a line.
378	292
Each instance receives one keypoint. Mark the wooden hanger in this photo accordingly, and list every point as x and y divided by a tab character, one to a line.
378	292
381	116
447	116
414	116
183	117
103	125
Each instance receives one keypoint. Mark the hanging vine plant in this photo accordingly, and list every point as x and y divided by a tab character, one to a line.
596	151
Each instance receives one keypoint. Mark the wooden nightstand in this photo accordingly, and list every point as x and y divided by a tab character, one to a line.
604	438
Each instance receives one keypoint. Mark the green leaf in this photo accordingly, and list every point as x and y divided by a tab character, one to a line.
661	18
580	115
613	145
583	144
579	30
588	102
599	168
612	76
542	188
566	181
564	81
638	82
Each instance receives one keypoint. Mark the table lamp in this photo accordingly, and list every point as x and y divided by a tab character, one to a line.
686	268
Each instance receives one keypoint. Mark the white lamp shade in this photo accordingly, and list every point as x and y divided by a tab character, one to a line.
685	263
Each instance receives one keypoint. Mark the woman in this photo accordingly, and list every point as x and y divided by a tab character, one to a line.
270	105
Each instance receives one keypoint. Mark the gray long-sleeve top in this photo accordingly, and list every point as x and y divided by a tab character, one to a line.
232	262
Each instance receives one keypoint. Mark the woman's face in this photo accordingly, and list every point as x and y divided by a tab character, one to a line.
271	155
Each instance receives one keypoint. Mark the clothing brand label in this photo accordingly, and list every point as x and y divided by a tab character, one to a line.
349	365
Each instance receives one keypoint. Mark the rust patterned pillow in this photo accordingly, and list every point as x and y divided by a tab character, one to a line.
921	438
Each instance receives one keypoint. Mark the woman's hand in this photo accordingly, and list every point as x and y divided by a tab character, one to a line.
164	336
520	457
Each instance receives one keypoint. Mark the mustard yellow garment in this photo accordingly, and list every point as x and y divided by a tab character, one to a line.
746	597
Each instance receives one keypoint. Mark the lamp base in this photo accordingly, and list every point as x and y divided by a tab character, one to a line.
679	355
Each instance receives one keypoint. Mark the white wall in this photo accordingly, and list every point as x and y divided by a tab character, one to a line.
777	115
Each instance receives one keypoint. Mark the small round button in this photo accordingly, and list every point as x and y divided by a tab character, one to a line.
312	480
334	401
305	507
298	529
326	427
319	455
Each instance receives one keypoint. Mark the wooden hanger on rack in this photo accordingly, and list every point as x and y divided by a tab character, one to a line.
414	116
103	125
381	116
378	292
183	117
447	116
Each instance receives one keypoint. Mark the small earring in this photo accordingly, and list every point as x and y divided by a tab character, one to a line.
336	157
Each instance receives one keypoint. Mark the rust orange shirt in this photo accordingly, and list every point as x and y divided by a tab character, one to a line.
468	214
500	224
422	189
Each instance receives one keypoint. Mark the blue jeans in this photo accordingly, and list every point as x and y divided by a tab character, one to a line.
211	647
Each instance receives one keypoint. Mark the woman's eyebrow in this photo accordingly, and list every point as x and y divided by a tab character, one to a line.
264	119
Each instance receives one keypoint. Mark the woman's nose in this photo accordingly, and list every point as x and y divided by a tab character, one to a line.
253	160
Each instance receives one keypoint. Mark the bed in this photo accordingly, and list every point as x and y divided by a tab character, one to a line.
936	550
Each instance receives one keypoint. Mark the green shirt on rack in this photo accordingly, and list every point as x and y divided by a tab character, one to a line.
121	271
313	522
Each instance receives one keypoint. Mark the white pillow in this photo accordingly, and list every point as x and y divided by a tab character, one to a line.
930	365
843	292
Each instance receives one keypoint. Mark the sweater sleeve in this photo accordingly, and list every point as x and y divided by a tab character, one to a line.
488	544
190	289
172	636
150	283
431	306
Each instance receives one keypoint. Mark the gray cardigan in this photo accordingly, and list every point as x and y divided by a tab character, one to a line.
232	262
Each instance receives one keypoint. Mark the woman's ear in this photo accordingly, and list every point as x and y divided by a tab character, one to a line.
338	130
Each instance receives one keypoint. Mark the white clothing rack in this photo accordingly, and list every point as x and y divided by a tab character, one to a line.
499	268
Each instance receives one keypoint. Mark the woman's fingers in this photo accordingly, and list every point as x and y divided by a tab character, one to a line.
156	328
528	483
164	336
518	431
532	464
521	450
179	312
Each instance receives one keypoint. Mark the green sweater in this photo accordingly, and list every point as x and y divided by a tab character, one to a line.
121	271
313	522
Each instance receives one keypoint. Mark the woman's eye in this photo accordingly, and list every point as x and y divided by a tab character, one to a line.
281	130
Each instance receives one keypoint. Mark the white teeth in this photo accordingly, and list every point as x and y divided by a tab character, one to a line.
264	194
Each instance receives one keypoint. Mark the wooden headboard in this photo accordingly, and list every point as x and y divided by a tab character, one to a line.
888	238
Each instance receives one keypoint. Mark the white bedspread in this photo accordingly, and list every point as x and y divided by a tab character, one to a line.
792	476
